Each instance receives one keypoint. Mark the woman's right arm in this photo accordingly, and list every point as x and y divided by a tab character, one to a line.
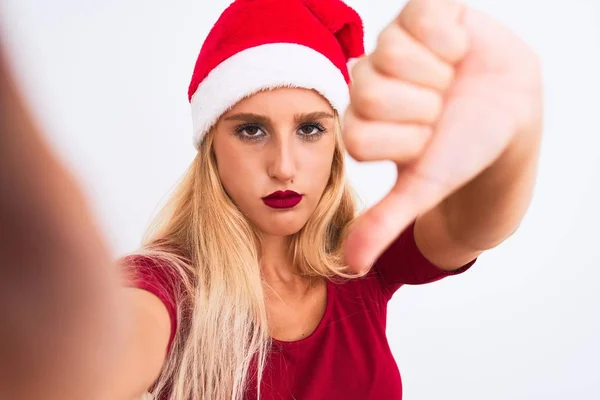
146	350
68	329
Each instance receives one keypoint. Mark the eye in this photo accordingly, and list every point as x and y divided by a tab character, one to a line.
311	131
249	132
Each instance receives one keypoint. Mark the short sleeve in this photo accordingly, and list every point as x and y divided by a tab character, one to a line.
403	263
158	280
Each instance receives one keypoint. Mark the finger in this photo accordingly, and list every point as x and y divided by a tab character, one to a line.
438	25
399	55
378	141
374	96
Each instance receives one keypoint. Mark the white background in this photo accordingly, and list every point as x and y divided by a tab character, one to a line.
108	79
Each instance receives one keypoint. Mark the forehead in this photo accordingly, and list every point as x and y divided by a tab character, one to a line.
282	101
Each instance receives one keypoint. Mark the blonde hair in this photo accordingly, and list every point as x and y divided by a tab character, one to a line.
213	253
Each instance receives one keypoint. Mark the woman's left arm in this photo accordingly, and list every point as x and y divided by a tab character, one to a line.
454	99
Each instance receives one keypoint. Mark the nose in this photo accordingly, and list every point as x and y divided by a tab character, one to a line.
281	159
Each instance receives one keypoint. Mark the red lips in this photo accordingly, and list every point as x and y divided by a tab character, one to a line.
282	199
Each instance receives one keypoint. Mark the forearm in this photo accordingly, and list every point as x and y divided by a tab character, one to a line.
57	291
490	208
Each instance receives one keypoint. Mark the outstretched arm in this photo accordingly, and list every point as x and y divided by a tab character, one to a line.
60	320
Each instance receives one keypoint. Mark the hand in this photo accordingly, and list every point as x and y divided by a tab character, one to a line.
446	92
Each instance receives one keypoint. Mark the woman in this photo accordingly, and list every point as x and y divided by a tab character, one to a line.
257	279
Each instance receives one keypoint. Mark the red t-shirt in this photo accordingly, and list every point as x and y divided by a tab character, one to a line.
347	356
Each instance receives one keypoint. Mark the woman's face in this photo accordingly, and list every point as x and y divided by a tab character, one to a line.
276	140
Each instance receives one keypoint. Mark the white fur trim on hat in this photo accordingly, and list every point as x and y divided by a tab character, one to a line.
263	67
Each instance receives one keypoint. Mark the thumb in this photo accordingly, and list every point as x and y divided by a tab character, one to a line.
380	225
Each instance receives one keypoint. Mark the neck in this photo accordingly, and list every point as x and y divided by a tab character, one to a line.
275	261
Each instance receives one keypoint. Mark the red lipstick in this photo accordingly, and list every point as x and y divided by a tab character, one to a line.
279	199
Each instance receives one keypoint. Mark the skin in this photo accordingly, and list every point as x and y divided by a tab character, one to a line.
455	100
61	315
448	94
261	145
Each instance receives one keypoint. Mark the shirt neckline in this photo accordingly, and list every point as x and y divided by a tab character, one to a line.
320	326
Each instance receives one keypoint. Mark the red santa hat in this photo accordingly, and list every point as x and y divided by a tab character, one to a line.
262	44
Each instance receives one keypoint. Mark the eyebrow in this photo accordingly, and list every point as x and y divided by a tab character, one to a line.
264	120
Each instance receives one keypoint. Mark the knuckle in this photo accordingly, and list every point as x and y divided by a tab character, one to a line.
392	59
425	27
356	143
388	38
367	101
358	70
391	48
384	38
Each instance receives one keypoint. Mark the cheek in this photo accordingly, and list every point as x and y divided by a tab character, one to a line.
318	164
236	173
315	174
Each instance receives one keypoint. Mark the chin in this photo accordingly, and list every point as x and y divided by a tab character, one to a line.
282	226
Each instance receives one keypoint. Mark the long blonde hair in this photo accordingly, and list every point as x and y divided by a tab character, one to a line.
213	252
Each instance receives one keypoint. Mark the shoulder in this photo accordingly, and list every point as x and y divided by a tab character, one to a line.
359	291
